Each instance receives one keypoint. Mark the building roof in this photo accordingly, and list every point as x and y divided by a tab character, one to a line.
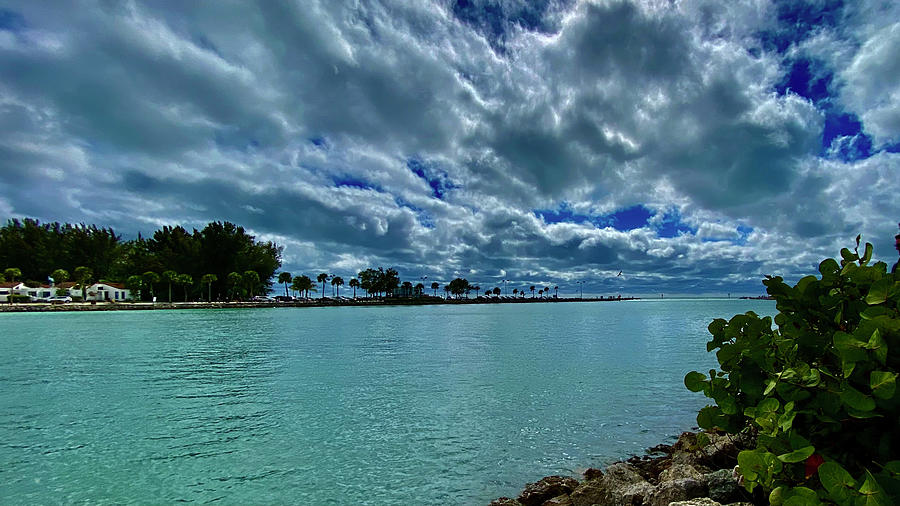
10	284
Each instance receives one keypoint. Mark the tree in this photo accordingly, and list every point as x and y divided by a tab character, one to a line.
150	279
133	284
435	286
557	291
477	289
285	278
322	278
515	291
234	280
354	283
170	277
209	279
338	282
446	291
406	288
497	291
459	286
541	293
185	280
419	288
83	276
532	291
60	276
12	273
251	281
303	284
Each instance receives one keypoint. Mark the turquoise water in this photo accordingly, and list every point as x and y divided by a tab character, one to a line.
389	405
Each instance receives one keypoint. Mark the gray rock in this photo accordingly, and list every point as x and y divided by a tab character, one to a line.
546	488
700	501
723	487
677	490
620	485
680	471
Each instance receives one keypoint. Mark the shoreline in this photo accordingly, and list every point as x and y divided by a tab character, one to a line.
37	307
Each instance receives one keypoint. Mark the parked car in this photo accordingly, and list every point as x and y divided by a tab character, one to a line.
59	299
261	298
284	298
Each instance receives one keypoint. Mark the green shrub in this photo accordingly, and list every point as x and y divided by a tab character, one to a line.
820	389
19	298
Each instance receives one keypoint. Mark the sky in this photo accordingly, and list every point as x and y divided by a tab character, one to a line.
695	146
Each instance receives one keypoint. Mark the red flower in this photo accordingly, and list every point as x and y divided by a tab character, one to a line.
812	464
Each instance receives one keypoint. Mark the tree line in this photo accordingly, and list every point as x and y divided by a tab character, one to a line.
220	261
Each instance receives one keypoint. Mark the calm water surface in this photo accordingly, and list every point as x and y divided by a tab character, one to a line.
391	405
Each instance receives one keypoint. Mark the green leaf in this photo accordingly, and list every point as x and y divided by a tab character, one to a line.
829	267
708	416
837	481
694	381
878	292
800	496
883	384
797	455
877	344
872	493
867	255
769	405
856	399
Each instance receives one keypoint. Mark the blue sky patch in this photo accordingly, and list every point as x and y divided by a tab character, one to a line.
319	142
438	180
858	147
804	80
672	226
627	219
422	215
563	214
493	19
11	20
352	182
797	20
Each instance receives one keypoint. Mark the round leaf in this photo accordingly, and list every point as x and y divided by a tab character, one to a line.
694	381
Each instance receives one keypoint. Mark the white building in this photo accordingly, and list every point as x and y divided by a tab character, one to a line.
11	288
111	292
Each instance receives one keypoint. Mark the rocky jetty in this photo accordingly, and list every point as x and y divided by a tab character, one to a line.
698	470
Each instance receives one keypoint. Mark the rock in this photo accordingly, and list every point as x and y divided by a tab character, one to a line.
677	490
680	471
592	473
536	493
505	501
620	485
723	487
701	501
560	500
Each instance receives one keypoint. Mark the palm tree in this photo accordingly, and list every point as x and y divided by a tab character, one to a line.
557	290
322	278
185	280
170	277
477	289
150	279
12	273
435	286
83	276
285	277
406	288
234	281
515	291
418	289
251	279
447	291
209	279
497	291
338	282
354	283
532	291
541	293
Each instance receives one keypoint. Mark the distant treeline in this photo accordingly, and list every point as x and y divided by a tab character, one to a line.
200	263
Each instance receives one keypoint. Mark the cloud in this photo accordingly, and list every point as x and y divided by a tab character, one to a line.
753	137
